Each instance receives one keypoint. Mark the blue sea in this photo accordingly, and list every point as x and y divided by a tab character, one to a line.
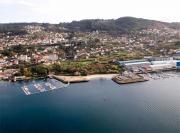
98	106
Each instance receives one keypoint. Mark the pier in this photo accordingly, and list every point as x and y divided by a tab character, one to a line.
130	78
44	86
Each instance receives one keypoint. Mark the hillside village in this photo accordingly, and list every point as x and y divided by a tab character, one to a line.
76	51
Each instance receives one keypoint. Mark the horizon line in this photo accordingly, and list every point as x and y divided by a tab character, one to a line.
29	22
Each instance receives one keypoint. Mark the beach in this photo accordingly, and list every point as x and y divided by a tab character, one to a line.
77	79
100	76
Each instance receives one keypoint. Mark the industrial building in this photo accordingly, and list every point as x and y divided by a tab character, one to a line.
134	63
151	65
163	65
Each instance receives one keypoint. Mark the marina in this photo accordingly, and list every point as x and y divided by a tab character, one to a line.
51	84
144	69
47	85
129	77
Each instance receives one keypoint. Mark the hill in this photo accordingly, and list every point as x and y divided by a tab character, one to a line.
121	25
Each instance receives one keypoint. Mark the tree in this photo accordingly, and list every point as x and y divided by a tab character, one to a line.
6	52
27	72
21	67
39	70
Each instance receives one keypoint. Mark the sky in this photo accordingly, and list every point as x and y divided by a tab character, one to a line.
55	11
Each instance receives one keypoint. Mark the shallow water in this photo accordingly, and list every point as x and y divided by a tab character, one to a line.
95	106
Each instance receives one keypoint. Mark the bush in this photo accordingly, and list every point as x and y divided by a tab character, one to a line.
39	70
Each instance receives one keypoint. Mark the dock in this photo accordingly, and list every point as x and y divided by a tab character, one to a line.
26	90
44	86
126	79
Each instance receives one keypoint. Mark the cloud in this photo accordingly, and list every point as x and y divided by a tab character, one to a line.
26	3
3	2
68	10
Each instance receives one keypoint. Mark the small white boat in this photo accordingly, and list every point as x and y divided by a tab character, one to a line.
39	87
26	90
52	87
47	84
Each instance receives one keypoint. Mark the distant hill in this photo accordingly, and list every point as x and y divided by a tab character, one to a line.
121	25
175	25
19	28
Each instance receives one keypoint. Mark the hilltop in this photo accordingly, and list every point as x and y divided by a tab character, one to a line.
121	25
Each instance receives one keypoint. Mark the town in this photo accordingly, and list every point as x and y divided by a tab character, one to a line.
39	50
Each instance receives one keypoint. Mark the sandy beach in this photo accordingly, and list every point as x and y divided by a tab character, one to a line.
76	79
100	76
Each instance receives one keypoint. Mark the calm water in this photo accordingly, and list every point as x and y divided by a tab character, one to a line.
96	106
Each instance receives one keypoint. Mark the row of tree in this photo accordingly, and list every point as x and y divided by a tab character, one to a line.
69	69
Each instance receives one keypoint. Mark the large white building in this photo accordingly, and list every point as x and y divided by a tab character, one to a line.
134	63
161	65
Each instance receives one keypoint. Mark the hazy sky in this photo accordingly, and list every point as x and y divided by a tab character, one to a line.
55	11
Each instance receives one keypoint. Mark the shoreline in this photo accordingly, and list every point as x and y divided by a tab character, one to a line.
70	79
